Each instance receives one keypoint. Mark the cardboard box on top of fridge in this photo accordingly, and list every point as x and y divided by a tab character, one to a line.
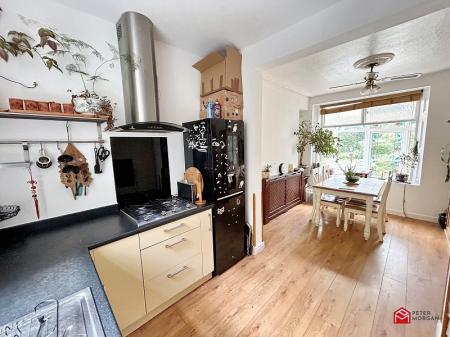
220	71
230	104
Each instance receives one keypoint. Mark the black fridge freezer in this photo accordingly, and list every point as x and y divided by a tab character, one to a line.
216	148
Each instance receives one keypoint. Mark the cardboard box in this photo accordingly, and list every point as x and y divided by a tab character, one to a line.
220	72
231	104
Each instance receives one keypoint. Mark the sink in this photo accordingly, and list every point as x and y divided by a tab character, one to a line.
73	316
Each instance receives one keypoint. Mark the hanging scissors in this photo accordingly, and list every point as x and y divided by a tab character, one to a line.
100	156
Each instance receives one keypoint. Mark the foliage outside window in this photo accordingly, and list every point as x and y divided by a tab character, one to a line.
374	139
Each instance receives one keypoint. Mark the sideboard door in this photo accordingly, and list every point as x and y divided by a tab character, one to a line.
277	195
293	185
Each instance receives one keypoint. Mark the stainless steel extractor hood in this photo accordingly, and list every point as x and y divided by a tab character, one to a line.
140	87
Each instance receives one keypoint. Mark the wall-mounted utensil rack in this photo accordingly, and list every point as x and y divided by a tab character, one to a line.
18	114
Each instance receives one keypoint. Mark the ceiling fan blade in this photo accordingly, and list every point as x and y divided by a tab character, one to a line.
400	77
346	85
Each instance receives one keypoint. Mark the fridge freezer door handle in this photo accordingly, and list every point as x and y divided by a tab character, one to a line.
230	195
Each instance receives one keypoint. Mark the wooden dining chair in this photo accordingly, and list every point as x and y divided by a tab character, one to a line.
353	207
329	200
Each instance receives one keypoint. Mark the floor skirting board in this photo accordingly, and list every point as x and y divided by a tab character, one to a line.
412	215
258	248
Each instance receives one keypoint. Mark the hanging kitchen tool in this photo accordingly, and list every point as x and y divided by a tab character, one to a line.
194	176
74	170
43	161
100	156
33	184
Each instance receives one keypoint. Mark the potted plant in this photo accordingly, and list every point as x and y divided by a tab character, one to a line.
322	140
350	173
87	101
266	171
407	163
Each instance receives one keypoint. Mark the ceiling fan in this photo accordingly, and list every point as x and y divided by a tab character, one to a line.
372	77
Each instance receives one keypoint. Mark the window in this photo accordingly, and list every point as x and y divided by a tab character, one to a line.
373	137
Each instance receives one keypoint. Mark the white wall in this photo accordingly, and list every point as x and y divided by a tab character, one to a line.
430	198
178	84
179	89
280	118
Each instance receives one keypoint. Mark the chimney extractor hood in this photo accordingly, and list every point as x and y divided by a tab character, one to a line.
140	87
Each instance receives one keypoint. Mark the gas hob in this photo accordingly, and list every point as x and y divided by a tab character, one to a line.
157	209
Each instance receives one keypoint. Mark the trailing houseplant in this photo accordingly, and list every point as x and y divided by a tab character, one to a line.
408	161
322	140
16	44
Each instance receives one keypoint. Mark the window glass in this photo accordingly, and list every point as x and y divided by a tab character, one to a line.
352	146
393	112
386	148
373	148
343	118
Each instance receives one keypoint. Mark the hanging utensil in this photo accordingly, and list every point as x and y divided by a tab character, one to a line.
33	184
97	162
100	156
43	161
74	173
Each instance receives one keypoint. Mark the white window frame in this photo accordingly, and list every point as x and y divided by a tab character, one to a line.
420	117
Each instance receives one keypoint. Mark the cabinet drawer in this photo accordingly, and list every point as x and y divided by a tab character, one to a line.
163	287
169	253
159	234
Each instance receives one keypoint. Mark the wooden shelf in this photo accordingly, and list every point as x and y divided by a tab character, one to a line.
57	116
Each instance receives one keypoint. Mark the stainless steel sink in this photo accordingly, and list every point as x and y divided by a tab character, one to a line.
72	316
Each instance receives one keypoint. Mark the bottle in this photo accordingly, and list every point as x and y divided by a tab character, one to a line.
217	109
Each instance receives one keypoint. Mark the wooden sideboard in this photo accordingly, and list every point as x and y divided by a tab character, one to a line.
281	193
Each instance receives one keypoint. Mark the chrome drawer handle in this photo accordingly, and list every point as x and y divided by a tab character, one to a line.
175	243
177	272
167	230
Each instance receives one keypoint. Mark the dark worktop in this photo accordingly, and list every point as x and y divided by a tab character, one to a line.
50	259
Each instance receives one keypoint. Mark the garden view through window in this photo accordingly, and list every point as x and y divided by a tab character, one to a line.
372	139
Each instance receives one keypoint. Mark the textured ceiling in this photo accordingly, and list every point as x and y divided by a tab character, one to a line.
201	26
421	45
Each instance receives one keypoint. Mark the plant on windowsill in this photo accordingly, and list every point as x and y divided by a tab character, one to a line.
407	163
266	171
322	140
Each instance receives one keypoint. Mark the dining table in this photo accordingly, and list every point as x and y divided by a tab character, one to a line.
366	189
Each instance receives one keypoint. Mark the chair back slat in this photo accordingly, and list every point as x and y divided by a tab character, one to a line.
316	175
386	189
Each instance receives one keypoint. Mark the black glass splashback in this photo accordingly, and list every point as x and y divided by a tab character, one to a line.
141	168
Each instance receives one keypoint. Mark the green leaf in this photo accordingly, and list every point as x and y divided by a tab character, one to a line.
97	77
51	63
113	49
45	32
72	68
80	58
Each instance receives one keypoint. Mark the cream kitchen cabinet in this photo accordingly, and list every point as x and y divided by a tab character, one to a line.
118	265
147	272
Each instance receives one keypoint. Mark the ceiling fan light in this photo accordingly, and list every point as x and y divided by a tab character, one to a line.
370	89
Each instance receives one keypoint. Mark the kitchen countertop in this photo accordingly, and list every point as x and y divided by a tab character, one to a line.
50	259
